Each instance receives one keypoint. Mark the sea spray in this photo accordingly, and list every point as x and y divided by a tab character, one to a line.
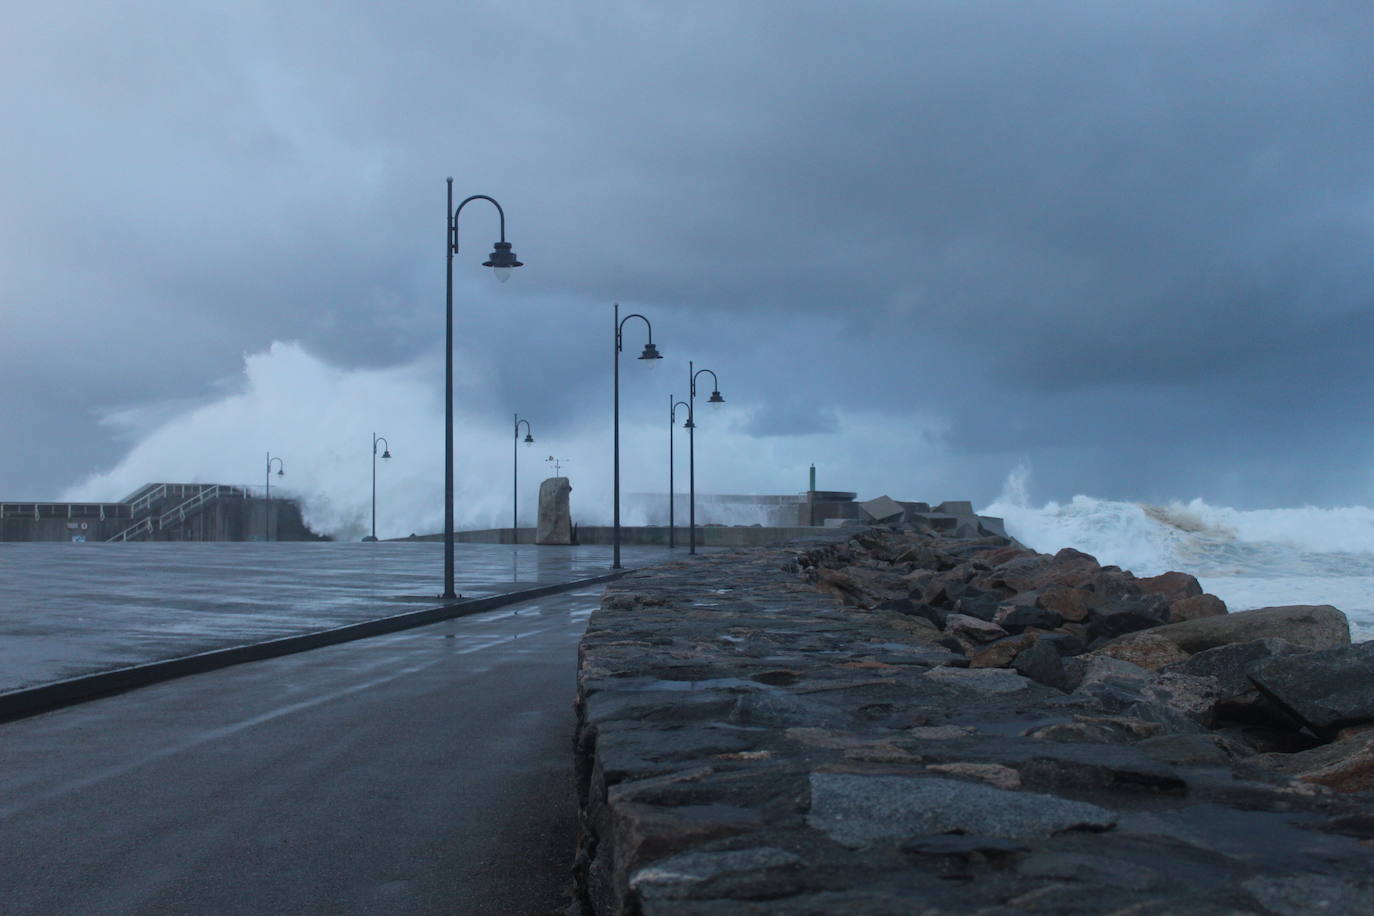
320	419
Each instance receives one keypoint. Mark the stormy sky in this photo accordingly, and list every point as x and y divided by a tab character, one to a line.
1127	245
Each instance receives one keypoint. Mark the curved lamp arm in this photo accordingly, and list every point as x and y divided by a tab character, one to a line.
714	380
620	334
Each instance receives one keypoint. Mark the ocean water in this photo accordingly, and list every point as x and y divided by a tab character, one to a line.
1248	558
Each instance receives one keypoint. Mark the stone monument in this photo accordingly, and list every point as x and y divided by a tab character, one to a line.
555	515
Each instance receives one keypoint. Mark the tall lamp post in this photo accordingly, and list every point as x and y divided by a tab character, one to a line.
267	508
515	474
386	456
672	418
715	400
650	353
502	261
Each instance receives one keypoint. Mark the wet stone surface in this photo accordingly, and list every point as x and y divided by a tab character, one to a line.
757	737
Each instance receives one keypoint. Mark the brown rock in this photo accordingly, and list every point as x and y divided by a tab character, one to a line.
999	654
1069	603
995	558
1346	766
1003	777
1019	574
962	626
1069	567
1144	649
1172	585
1313	626
1192	608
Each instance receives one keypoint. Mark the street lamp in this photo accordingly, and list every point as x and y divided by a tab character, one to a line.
267	508
652	355
515	474
672	418
386	456
715	400
502	261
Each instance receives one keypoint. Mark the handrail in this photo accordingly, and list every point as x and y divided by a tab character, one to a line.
145	501
179	512
133	530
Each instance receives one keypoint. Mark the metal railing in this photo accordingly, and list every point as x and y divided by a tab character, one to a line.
180	512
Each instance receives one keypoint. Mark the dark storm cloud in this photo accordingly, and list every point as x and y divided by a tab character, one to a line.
1074	231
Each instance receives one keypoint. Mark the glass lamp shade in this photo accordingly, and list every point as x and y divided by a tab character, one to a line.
502	261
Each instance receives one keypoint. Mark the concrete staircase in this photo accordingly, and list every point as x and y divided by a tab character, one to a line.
158	506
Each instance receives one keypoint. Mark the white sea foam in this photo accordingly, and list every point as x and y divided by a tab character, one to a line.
1249	558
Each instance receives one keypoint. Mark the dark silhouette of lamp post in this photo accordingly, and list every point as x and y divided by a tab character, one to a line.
715	400
386	456
650	353
502	261
672	418
515	475
267	508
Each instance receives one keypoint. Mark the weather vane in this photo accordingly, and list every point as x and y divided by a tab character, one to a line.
557	465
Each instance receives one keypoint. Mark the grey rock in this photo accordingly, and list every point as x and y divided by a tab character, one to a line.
1326	690
1302	894
1023	617
859	810
555	514
677	876
1315	626
1090	869
1228	663
1127	615
984	680
962	845
1193	750
1042	664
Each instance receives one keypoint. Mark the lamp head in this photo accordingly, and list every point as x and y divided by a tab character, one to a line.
386	453
650	355
502	261
689	424
281	472
529	440
715	400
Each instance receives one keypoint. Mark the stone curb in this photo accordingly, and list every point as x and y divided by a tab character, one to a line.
29	701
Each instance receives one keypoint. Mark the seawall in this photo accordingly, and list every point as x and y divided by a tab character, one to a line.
830	728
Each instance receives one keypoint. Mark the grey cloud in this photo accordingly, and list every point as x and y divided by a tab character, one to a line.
1074	230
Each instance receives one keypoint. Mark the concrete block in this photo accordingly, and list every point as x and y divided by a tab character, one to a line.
956	507
882	509
992	525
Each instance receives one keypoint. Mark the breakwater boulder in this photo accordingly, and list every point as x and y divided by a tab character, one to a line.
897	722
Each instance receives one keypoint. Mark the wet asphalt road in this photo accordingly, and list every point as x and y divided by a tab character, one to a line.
428	771
68	610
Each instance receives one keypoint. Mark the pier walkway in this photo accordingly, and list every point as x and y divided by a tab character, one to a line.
426	771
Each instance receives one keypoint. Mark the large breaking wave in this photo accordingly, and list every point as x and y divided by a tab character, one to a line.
1249	558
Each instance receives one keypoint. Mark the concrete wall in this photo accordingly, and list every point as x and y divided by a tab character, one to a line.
708	536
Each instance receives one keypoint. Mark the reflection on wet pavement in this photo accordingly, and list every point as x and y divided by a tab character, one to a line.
73	609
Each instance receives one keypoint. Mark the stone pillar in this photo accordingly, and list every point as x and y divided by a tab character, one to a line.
555	514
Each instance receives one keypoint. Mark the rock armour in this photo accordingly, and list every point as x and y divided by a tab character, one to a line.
832	728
